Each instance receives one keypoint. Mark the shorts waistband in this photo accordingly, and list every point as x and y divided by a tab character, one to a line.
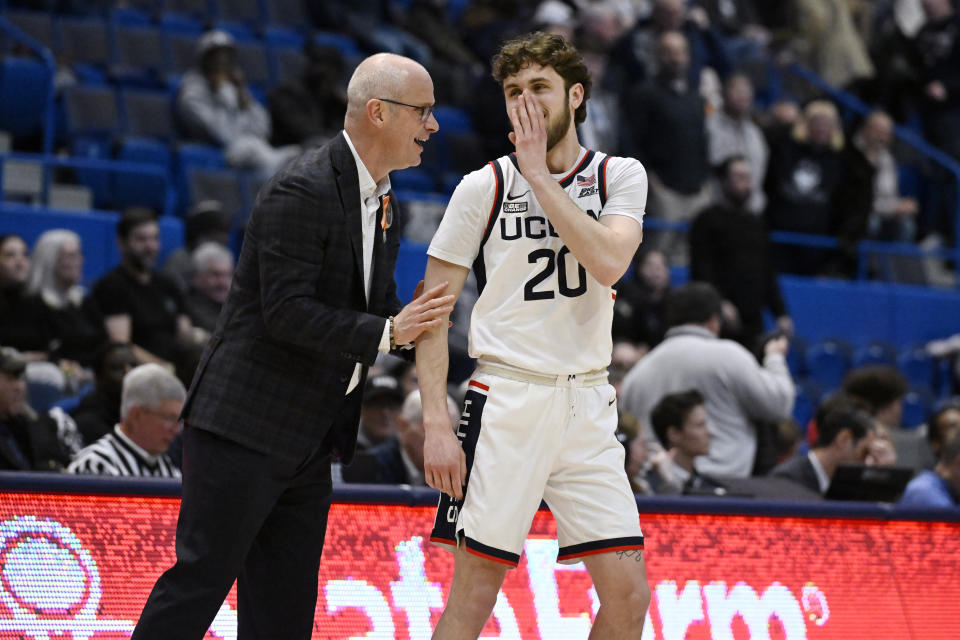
588	379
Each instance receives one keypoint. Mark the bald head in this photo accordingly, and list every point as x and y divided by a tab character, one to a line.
382	75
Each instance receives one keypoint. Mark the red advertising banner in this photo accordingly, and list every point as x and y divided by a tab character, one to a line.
81	566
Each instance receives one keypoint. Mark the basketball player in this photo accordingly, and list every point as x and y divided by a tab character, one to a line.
547	230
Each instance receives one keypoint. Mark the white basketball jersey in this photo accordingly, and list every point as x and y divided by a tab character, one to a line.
538	308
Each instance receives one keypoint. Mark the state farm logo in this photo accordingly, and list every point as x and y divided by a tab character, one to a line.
49	582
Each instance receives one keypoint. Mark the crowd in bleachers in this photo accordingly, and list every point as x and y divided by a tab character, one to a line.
216	95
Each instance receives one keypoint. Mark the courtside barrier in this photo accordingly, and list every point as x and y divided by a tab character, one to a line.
78	557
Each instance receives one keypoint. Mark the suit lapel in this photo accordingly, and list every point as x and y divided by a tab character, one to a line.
348	187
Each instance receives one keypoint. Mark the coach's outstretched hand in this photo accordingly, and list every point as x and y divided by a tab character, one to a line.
444	462
427	310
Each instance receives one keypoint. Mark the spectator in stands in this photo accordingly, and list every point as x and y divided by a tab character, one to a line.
23	322
636	55
55	274
308	110
936	56
789	439
738	25
940	487
99	410
668	135
212	273
844	437
942	424
737	391
680	422
27	441
214	105
882	388
778	121
206	222
149	420
649	471
137	303
891	217
803	185
638	311
731	131
826	40
453	65
399	458
729	249
382	400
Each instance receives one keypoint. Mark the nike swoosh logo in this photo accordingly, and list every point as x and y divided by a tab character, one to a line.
612	400
513	197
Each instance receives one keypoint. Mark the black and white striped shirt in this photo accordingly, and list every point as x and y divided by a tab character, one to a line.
117	455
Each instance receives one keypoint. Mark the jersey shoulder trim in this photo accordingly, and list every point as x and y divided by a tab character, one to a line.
602	179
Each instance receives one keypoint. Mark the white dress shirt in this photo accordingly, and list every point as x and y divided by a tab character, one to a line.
822	478
370	194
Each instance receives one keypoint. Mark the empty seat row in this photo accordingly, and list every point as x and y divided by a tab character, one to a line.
151	56
828	361
290	14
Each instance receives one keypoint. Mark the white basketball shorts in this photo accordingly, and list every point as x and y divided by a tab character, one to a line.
529	437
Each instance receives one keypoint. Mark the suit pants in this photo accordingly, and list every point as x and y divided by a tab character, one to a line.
247	516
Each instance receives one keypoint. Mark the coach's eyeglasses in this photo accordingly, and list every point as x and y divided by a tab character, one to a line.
425	112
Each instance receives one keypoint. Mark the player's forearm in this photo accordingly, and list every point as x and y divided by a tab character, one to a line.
432	365
602	252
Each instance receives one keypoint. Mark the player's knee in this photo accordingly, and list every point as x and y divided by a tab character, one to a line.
629	605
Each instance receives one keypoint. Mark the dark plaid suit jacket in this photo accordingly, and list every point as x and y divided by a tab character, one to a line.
274	374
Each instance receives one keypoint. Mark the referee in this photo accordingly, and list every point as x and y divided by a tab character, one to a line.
150	405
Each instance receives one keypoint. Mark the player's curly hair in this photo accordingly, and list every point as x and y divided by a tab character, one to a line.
546	50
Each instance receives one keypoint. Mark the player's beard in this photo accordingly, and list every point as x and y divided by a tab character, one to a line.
557	130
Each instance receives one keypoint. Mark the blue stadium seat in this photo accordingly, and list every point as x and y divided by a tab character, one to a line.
140	58
286	62
181	51
453	120
225	185
828	361
275	36
344	44
918	367
412	179
137	188
916	408
131	16
36	24
805	405
24	84
85	43
190	156
797	357
91	110
148	114
95	147
288	13
874	353
181	24
245	12
200	11
252	58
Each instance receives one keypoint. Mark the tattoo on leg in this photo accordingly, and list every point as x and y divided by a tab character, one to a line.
636	554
